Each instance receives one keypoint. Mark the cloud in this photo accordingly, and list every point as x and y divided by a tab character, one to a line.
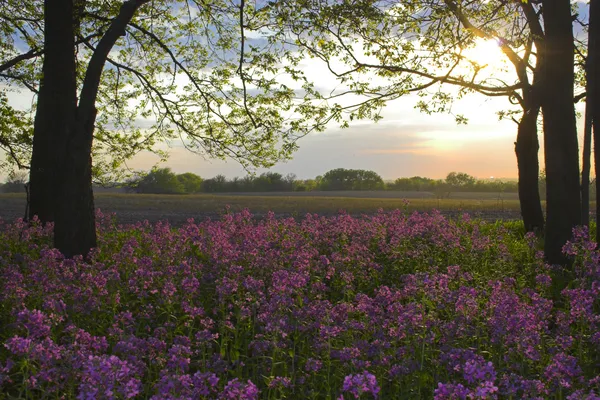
406	150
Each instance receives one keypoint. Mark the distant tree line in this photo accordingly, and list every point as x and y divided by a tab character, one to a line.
15	183
164	181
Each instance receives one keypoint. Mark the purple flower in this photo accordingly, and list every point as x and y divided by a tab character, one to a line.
486	390
543	280
236	390
186	386
280	382
19	346
35	322
107	376
476	371
361	383
179	357
449	391
4	370
313	365
563	371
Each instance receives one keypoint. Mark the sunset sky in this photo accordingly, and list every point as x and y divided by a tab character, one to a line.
405	143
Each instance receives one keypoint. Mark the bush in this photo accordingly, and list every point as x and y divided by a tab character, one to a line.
351	179
191	183
159	181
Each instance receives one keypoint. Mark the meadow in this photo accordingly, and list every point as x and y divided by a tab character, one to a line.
393	305
130	208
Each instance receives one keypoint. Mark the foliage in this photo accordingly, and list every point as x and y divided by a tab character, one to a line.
351	179
205	73
191	183
417	46
460	179
216	184
343	179
386	306
15	135
159	181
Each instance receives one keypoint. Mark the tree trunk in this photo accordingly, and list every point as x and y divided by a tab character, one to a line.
75	226
61	165
526	149
563	202
590	104
592	93
75	222
586	162
57	101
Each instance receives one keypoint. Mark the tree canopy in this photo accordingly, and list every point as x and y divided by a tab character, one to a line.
202	73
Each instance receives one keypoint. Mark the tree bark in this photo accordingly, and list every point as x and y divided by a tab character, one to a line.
526	149
592	93
75	222
563	201
75	225
591	71
57	101
586	162
527	145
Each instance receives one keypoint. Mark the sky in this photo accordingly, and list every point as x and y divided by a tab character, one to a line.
404	143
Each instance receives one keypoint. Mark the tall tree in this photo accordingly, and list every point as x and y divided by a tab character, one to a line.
56	107
229	101
593	70
587	134
563	200
416	45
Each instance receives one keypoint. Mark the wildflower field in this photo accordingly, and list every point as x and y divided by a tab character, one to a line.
389	306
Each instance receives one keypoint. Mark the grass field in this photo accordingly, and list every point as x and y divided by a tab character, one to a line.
291	200
132	207
295	203
178	208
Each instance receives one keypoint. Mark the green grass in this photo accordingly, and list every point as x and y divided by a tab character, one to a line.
290	204
280	203
13	205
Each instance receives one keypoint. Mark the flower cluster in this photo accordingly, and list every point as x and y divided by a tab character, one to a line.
389	305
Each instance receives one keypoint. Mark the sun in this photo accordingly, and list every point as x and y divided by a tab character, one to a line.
486	53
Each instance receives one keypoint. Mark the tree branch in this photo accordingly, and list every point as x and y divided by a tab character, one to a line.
514	58
91	81
240	68
15	60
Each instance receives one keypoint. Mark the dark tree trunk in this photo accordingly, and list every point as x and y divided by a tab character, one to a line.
586	162
75	225
61	177
592	93
60	181
41	175
57	101
563	201
75	222
590	104
526	149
